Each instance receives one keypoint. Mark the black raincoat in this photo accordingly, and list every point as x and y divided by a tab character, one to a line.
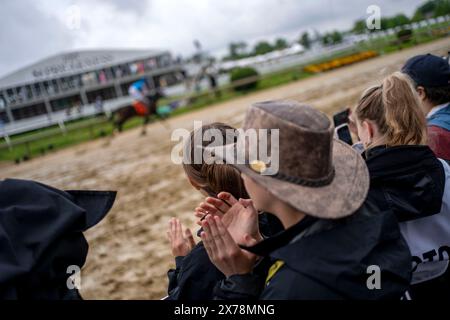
41	237
320	259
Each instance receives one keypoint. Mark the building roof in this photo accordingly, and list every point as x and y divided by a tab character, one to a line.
69	63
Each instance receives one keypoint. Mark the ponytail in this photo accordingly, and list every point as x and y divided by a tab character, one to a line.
395	108
214	178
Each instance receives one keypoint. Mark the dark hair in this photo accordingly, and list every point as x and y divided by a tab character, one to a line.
438	95
214	178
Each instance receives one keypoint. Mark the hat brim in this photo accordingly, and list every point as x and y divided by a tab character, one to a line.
342	197
96	204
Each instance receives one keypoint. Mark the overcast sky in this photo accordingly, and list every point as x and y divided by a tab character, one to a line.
33	29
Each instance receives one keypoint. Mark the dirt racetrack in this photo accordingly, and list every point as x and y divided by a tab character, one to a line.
129	255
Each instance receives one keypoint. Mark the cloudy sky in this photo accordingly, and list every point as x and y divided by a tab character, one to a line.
33	29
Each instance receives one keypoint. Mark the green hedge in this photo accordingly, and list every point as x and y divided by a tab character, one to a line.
404	35
243	73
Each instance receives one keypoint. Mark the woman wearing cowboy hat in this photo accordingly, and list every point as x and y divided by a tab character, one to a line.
335	245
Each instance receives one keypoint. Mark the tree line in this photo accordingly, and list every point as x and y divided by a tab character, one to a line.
430	9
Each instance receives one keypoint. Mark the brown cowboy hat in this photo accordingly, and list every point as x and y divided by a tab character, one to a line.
317	174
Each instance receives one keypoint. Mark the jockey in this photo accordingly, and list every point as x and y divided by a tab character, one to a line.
139	91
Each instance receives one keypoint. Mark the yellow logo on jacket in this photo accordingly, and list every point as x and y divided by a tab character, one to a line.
273	270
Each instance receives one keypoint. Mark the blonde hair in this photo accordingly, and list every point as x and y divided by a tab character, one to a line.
395	108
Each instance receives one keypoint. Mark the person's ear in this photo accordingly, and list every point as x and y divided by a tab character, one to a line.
421	92
368	127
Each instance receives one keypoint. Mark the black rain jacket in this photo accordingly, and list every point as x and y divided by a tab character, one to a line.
41	237
319	259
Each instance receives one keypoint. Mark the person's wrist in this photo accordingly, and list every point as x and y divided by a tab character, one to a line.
179	253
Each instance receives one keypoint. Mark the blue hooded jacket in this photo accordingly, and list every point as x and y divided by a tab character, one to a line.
441	118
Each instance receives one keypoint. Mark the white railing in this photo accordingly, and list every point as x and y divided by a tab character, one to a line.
61	117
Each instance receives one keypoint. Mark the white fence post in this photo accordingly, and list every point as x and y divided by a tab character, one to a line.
62	126
8	141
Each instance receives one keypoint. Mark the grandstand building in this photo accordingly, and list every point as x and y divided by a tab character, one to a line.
74	82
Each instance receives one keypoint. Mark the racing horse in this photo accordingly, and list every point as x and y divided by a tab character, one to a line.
122	115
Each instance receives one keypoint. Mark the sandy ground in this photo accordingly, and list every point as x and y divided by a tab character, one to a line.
129	253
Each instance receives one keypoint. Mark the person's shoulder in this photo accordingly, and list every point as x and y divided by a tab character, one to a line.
437	129
440	119
439	141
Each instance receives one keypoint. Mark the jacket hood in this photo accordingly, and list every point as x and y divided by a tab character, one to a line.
41	236
338	253
441	118
410	177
